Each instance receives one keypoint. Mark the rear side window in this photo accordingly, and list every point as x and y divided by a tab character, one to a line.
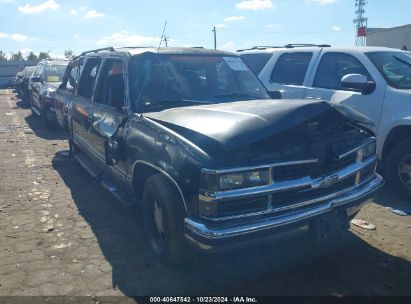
291	68
88	78
256	62
334	66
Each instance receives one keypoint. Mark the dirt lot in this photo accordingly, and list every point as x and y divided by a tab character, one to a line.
62	234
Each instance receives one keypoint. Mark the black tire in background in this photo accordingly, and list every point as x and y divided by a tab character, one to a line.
166	236
395	168
44	119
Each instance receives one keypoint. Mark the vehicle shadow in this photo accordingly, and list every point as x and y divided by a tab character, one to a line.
388	198
347	266
54	133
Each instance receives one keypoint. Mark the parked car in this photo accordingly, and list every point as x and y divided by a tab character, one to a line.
43	84
18	81
65	92
193	136
24	86
372	80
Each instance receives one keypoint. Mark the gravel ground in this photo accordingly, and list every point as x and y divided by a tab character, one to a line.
62	234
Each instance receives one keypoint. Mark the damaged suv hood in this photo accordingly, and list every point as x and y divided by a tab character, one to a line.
234	125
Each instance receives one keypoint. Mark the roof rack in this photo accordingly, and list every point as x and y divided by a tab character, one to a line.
261	47
288	46
110	48
293	45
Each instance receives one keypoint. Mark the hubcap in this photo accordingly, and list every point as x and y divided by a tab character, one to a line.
405	171
158	219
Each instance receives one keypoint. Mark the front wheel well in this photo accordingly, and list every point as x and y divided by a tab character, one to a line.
395	136
141	173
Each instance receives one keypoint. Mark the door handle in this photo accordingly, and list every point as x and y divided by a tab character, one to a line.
313	98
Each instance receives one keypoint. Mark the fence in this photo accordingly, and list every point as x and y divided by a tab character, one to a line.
8	70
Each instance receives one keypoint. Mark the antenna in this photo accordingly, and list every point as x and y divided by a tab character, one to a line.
162	36
360	23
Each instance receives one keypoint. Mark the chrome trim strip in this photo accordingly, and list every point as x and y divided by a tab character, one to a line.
285	185
266	166
365	143
220	233
271	210
165	174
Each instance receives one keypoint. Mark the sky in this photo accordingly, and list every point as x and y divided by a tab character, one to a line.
79	25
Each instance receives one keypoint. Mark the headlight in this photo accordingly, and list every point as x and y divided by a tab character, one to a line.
235	180
367	151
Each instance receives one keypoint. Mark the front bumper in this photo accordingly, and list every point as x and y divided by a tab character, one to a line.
207	236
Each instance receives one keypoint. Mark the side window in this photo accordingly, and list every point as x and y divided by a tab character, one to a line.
291	68
256	62
72	80
334	66
110	88
88	78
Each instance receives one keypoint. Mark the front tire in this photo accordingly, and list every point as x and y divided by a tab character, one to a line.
44	119
163	214
397	168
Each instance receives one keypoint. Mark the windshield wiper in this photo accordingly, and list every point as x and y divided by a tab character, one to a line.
236	95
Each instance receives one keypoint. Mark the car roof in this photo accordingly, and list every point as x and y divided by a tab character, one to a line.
56	61
133	51
354	49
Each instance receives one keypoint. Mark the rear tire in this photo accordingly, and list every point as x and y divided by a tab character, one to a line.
164	214
397	168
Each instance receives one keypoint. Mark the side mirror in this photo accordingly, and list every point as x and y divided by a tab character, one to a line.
35	79
359	83
275	94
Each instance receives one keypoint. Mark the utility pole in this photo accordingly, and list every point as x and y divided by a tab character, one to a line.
215	37
162	36
360	23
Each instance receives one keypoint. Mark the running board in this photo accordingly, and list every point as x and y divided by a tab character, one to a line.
125	197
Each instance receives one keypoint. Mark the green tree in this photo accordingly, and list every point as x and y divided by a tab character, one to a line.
44	55
69	54
32	56
2	56
17	56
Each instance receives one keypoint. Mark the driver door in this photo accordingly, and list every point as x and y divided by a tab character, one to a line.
325	84
109	115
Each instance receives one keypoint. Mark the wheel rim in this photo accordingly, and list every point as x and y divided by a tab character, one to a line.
155	225
404	171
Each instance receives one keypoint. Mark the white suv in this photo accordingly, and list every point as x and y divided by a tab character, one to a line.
374	81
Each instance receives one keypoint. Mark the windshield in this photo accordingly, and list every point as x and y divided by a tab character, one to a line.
161	81
54	73
394	66
29	71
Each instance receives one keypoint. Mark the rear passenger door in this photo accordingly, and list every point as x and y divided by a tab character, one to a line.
82	114
287	74
325	84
